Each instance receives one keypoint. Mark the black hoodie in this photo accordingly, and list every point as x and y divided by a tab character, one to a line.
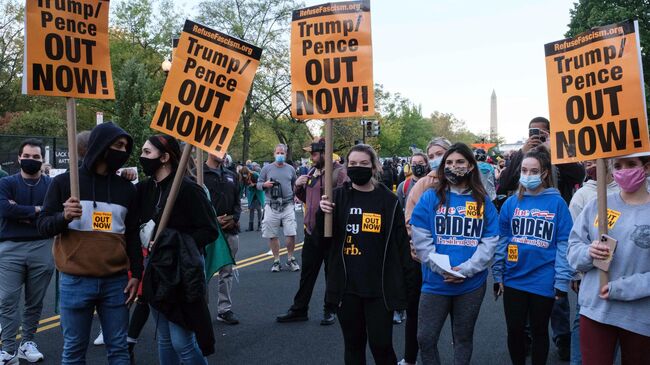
104	241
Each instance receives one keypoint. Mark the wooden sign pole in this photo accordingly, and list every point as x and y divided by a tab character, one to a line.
73	165
173	193
601	171
329	151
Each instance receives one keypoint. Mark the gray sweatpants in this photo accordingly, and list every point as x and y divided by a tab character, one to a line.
432	314
224	284
27	264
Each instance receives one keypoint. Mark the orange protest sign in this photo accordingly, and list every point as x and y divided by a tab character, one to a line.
206	88
331	61
596	94
66	49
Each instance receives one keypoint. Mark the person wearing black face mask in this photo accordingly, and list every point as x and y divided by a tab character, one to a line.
25	254
98	245
420	168
370	267
309	189
185	322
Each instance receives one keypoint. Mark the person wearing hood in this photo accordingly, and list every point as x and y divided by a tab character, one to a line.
530	267
25	254
97	246
618	310
174	282
457	222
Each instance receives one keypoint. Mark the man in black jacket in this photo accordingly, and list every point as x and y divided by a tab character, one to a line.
223	186
565	177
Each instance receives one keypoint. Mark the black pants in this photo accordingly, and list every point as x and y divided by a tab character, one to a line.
313	255
411	327
366	320
521	307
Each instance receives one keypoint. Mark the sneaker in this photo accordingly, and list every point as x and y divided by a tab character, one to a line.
328	319
292	316
8	359
99	341
293	265
228	318
276	266
397	317
28	350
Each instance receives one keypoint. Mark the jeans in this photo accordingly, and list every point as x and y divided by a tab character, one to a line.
79	297
26	265
561	322
576	355
176	344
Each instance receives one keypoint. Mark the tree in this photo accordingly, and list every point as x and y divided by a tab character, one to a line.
11	53
587	14
263	23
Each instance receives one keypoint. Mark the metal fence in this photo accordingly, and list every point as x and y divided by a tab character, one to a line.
56	151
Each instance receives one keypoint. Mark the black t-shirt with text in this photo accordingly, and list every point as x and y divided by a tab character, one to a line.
363	249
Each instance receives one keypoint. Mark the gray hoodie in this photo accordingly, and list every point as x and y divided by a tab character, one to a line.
628	306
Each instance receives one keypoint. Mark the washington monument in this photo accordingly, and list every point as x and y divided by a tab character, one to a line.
493	116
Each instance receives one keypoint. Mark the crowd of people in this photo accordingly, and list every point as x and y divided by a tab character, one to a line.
412	240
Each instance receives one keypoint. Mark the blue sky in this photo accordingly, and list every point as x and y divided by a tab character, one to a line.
456	52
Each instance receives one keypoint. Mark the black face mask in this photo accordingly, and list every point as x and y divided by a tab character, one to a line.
454	177
150	165
115	159
29	166
359	175
419	170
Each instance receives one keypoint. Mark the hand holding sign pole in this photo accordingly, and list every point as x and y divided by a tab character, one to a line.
597	101
331	70
67	54
204	94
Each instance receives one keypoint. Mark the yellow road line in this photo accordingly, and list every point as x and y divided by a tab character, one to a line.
242	264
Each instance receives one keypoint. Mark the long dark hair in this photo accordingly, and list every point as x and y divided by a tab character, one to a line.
474	182
542	156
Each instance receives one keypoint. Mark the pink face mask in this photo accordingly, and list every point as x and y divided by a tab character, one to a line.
630	180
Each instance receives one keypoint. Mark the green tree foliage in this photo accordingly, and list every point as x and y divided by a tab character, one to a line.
131	112
587	14
44	122
266	24
11	53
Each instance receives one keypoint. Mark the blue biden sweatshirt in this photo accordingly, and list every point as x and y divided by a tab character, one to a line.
531	255
457	229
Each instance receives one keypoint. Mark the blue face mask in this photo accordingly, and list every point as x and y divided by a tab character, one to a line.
530	182
280	158
433	164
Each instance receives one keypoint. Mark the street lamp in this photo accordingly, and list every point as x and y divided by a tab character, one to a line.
166	66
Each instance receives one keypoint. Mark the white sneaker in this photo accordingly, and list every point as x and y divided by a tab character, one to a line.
8	359
99	341
293	265
28	350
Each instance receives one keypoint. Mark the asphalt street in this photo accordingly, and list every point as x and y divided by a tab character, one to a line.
259	296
